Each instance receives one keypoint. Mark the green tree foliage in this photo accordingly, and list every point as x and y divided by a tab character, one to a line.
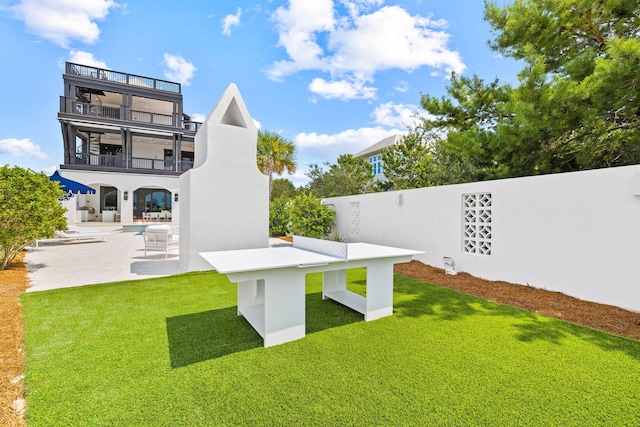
279	221
576	105
282	187
276	155
29	210
309	217
350	175
407	164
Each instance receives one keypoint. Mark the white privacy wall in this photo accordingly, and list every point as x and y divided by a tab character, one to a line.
224	199
576	233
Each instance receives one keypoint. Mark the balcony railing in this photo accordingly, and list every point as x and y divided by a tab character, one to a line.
69	105
155	118
118	161
95	110
124	78
192	126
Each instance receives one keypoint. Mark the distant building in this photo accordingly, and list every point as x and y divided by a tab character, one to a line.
373	155
127	137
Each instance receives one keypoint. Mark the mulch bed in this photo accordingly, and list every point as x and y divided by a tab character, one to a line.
14	281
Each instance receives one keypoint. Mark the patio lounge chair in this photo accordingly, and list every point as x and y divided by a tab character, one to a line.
160	238
75	234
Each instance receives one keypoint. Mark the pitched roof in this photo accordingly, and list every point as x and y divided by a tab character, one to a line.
379	146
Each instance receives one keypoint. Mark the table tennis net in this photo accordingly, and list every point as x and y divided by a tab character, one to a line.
325	247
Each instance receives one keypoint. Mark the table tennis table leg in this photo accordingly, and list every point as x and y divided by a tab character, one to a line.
284	307
250	293
333	281
379	301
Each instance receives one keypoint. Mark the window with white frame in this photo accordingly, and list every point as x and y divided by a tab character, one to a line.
476	223
376	164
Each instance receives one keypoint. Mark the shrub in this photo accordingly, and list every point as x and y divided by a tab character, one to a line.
279	217
29	210
309	217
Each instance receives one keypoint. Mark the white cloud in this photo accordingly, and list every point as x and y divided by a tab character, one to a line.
21	148
357	46
230	21
349	141
356	7
198	117
257	123
85	58
396	115
342	89
64	20
178	69
402	86
298	28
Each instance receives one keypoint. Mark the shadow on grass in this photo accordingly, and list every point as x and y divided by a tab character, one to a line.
211	334
208	335
415	298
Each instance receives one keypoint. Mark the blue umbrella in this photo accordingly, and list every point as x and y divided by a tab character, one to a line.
71	186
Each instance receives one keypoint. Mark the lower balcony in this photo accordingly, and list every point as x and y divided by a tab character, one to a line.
118	163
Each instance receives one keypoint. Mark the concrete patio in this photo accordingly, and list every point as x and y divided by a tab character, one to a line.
121	257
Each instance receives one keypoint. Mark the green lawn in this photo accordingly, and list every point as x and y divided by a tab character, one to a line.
173	352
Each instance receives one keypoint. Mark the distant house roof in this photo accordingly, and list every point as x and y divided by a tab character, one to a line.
379	146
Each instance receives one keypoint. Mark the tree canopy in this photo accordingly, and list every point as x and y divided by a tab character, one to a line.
283	188
576	105
350	175
29	210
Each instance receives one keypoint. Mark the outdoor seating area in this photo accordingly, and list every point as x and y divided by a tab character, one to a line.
164	215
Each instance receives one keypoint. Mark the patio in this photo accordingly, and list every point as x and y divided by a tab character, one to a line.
121	257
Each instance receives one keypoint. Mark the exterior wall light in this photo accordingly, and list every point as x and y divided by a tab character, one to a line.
126	195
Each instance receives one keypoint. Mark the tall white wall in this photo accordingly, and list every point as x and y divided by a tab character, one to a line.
576	233
224	199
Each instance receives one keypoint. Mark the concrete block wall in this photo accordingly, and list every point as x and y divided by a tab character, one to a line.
576	233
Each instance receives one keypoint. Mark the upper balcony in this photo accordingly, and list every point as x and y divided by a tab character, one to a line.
123	78
113	114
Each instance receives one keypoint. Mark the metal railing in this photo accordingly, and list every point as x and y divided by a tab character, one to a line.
70	105
118	77
155	118
192	126
95	110
118	161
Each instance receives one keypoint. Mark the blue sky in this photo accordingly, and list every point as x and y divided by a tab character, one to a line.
334	76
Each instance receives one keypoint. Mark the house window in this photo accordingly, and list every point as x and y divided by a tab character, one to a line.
376	164
476	223
109	199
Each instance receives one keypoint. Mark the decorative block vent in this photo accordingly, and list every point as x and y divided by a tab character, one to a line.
476	223
354	228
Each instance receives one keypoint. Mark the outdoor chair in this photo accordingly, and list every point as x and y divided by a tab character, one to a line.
160	238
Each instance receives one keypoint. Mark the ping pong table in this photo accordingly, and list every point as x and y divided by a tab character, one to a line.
271	281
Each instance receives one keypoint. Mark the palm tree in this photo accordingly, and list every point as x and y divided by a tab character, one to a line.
275	155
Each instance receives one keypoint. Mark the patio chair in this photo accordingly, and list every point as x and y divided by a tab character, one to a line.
160	238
